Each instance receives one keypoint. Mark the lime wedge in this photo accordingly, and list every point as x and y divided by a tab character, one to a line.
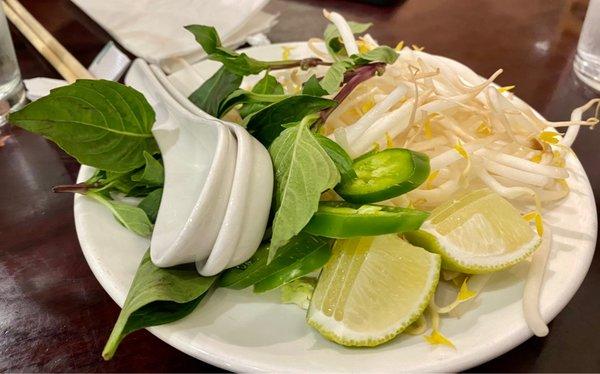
478	233
372	289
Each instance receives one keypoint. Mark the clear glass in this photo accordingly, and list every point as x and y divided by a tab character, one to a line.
587	59
12	92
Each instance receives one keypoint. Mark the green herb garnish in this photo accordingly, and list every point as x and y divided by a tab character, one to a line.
303	170
101	123
157	296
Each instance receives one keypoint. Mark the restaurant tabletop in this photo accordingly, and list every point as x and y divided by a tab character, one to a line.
55	316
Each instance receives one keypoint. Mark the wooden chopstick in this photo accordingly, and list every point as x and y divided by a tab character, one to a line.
39	45
58	56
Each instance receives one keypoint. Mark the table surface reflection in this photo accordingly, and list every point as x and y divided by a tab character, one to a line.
54	316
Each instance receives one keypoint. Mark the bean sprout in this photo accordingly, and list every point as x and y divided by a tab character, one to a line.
429	104
344	30
475	133
576	117
533	285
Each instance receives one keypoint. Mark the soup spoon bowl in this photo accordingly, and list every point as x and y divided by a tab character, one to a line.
251	193
199	157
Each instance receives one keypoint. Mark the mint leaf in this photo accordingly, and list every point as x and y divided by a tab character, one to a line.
267	123
101	123
151	203
132	217
211	93
302	255
303	170
153	173
157	296
332	38
268	85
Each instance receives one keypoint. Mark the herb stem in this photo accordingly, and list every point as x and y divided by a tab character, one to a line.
303	64
81	188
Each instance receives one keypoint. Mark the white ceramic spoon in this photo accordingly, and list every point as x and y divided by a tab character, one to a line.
199	156
251	193
229	242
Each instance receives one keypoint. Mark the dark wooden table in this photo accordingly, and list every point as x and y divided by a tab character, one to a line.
54	316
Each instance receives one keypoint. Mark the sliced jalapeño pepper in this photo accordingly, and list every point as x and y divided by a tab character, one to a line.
340	219
384	175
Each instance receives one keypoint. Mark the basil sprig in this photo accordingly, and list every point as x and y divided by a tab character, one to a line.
209	95
101	123
157	296
106	125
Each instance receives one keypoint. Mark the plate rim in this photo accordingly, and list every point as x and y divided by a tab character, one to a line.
458	363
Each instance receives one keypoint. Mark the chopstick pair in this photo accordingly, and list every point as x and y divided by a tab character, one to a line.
54	52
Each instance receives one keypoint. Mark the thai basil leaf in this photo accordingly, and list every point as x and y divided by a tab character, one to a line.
209	96
268	85
234	62
303	170
153	173
206	36
151	203
123	184
313	87
239	64
101	123
266	124
339	156
114	175
302	255
102	181
334	76
332	37
132	217
157	296
141	191
379	54
98	176
248	97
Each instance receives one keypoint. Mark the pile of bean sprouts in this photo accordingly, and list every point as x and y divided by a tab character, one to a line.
476	134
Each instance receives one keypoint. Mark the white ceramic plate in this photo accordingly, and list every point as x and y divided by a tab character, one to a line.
239	331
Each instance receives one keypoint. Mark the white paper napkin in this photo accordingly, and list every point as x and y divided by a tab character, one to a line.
41	86
153	29
109	64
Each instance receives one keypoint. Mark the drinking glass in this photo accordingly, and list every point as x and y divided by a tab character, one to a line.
12	92
587	60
